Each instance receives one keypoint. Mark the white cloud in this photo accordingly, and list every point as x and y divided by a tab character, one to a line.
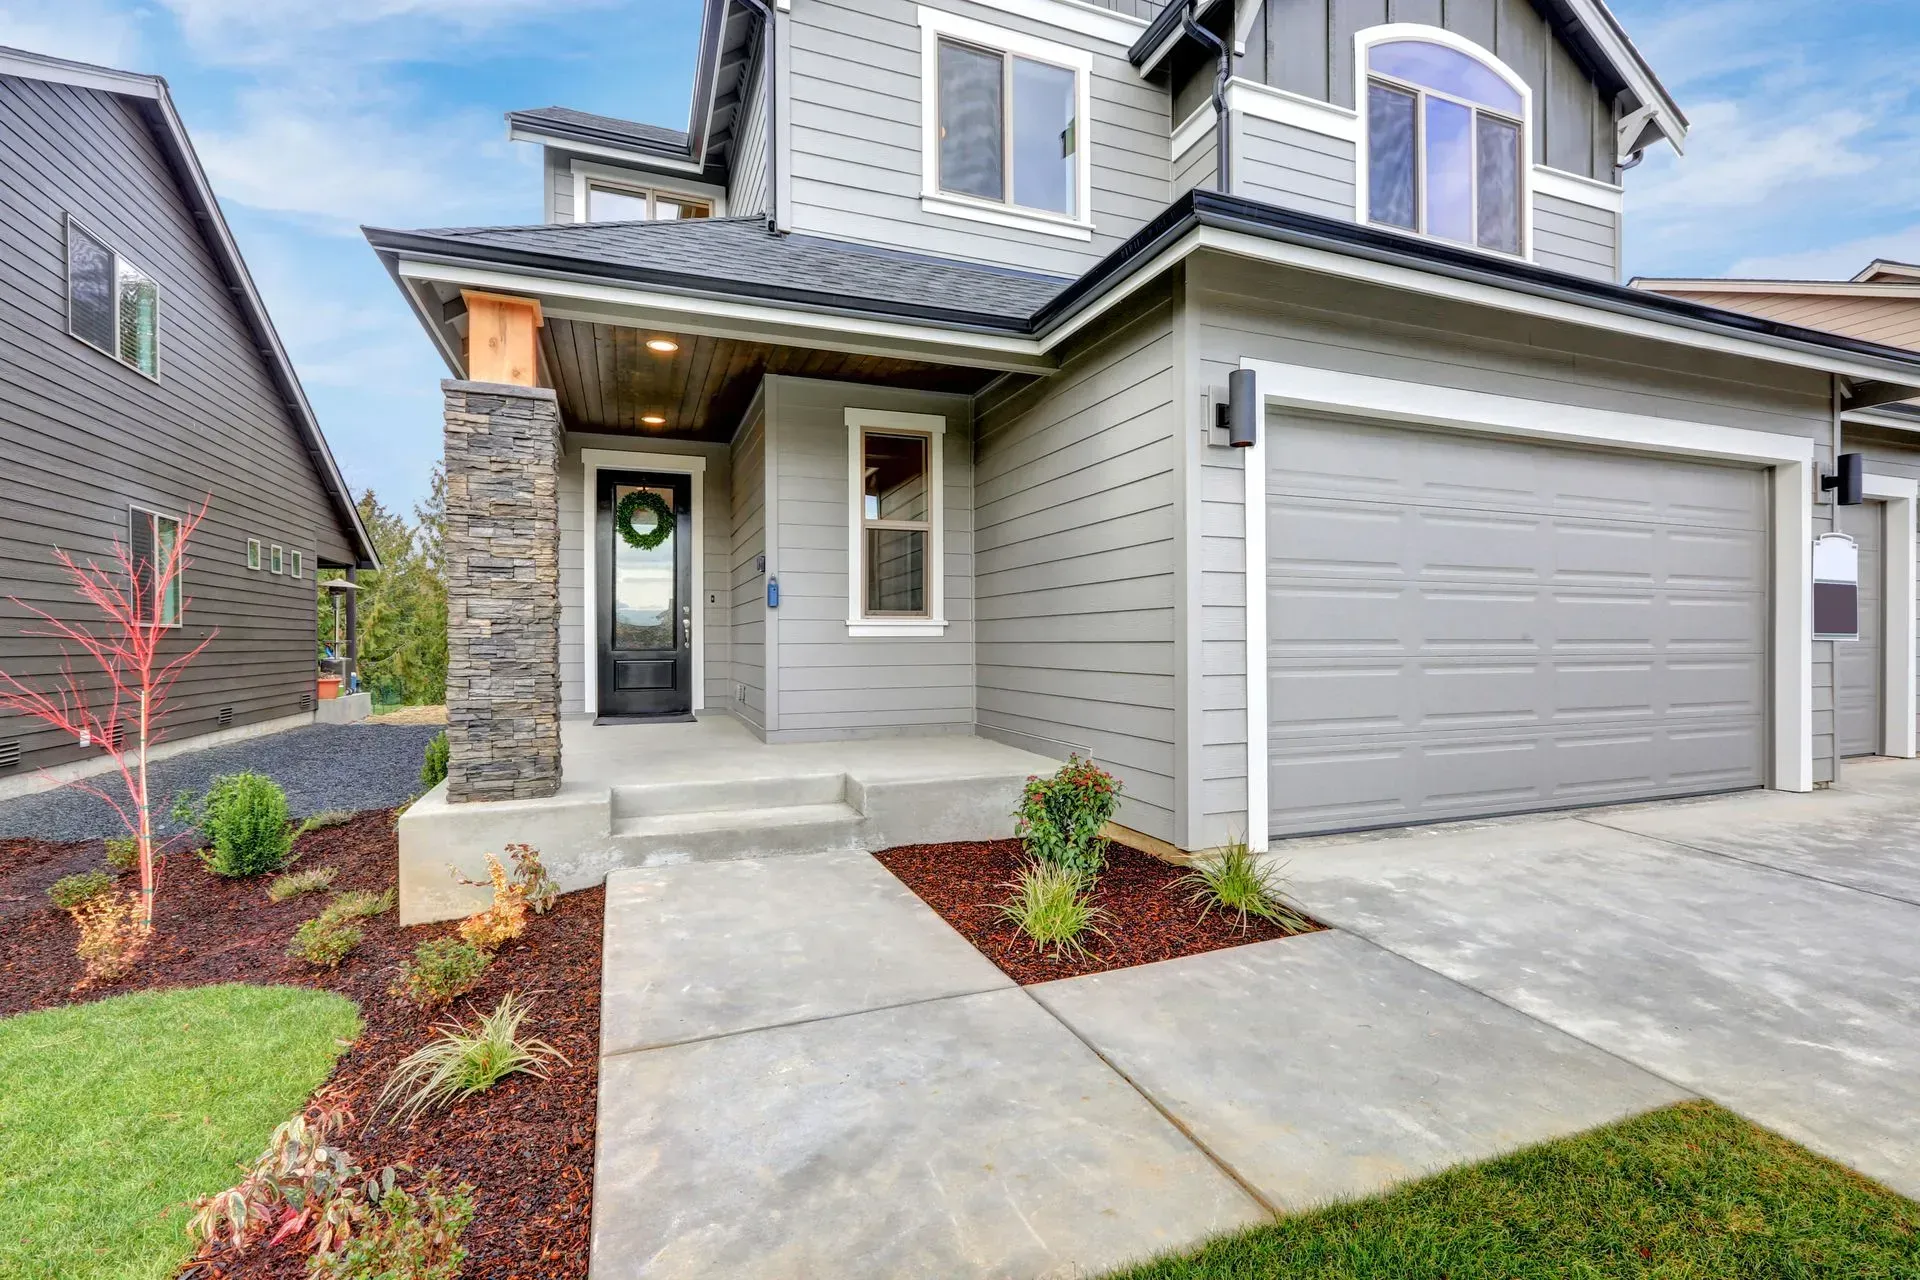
1834	262
266	32
82	30
1740	158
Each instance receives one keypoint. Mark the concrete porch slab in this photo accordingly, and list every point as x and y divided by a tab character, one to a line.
1793	1001
711	948
1323	1068
964	1137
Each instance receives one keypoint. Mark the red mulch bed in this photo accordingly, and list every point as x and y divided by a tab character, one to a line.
525	1145
1152	917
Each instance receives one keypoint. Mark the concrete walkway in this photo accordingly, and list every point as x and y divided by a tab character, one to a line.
1762	949
805	1072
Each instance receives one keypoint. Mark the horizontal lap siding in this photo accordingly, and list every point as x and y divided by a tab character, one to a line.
855	166
1886	456
1337	325
748	184
746	584
576	523
1198	166
84	437
1293	168
832	684
1078	511
1576	238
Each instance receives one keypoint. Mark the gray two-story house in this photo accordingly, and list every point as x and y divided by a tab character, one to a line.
141	380
1239	392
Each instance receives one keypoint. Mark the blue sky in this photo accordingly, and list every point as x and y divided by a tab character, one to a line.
315	117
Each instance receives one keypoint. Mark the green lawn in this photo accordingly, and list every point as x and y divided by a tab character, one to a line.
114	1114
1690	1192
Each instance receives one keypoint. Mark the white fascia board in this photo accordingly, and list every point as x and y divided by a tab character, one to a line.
1810	288
1264	102
1876	418
1075	16
631	156
616	304
27	66
1626	63
1898	496
1578	189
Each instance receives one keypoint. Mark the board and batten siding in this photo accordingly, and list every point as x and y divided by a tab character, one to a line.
746	580
1077	492
576	526
84	437
825	683
852	115
1306	47
1246	310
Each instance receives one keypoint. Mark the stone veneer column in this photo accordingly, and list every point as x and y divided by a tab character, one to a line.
503	591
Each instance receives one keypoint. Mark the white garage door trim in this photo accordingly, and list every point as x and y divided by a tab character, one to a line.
1421	404
1897	496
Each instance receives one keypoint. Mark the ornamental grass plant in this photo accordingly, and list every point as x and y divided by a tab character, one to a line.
1241	882
459	1063
1052	905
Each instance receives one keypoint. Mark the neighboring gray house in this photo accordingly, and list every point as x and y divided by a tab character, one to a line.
925	326
140	378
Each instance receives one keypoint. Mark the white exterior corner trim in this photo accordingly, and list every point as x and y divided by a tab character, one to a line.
592	463
1898	497
1790	749
1576	189
1264	102
1076	16
935	23
934	427
1365	39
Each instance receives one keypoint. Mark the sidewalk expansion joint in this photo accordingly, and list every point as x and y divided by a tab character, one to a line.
798	1022
1724	856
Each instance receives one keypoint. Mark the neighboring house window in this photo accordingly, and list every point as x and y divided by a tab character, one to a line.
112	305
253	553
1446	144
151	539
894	530
617	202
276	560
1004	121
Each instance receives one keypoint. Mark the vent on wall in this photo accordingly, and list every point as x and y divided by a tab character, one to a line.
306	702
117	735
226	717
10	754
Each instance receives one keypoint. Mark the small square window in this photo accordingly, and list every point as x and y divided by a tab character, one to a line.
293	564
276	560
253	554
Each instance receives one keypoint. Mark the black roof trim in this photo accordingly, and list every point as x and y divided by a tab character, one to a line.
602	131
1164	24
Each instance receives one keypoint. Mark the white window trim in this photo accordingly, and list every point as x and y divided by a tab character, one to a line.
935	23
1790	651
254	561
157	515
934	427
276	559
66	282
1363	41
586	173
1898	496
592	463
295	562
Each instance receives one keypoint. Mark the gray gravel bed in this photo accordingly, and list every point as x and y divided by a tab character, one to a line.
322	766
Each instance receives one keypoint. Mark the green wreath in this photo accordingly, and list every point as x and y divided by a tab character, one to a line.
662	519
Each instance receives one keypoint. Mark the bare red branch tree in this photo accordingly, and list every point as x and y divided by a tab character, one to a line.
127	649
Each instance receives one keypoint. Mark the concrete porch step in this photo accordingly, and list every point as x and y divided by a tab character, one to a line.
714	834
727	795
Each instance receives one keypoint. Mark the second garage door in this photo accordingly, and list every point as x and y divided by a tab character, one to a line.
1463	625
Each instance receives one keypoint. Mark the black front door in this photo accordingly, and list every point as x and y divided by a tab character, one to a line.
645	594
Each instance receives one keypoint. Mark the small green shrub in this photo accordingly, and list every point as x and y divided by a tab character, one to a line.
295	883
403	1235
69	892
244	822
459	1063
433	769
442	971
1060	817
322	820
123	854
1050	905
360	904
1238	880
326	940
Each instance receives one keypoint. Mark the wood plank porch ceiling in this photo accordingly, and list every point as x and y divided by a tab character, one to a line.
607	379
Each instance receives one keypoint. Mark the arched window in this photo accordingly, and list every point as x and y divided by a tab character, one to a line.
1445	133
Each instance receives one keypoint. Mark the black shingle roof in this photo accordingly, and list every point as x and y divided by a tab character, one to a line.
584	126
740	256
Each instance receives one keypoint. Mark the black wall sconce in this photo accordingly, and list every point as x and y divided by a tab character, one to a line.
1240	415
1849	477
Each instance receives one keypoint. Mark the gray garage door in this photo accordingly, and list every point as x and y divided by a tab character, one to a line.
1857	663
1461	625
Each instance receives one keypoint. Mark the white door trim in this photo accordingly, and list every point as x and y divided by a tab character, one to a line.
592	462
1898	497
1419	404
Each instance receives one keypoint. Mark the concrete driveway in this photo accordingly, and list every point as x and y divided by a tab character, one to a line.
1762	950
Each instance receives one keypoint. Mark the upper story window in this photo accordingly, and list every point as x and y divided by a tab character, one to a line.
112	305
1446	141
1004	123
619	202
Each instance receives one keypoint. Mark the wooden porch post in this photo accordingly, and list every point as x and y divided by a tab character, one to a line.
503	344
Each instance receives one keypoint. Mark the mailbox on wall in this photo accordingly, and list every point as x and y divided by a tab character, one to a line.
1836	587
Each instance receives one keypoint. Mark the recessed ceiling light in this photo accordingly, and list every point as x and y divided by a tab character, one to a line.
665	346
653	420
